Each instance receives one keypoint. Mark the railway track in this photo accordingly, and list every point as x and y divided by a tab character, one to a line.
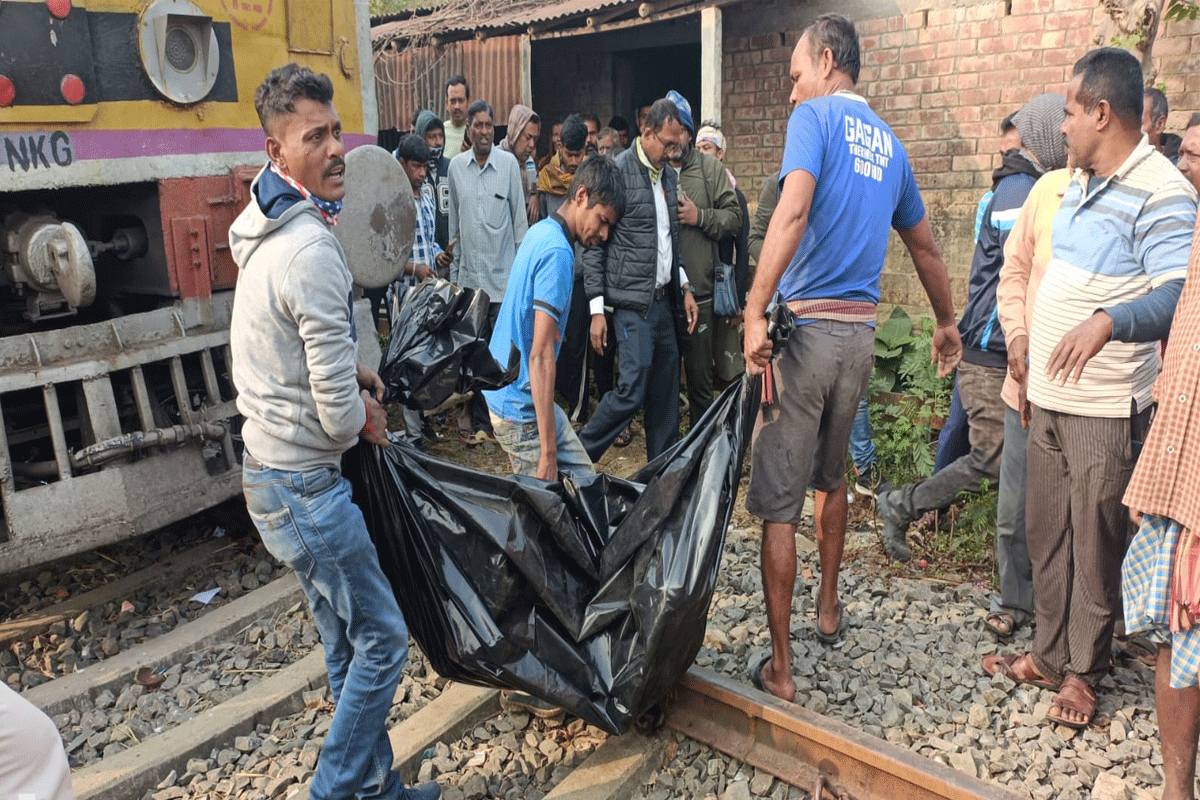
253	728
818	755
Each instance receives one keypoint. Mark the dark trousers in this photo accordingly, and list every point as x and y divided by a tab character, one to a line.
571	373
980	391
648	367
698	360
481	420
1077	530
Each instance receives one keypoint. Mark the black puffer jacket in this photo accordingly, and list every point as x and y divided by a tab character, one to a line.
623	269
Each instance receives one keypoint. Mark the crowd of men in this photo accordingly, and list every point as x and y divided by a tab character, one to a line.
608	252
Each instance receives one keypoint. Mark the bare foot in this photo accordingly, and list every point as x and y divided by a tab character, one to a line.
784	689
829	611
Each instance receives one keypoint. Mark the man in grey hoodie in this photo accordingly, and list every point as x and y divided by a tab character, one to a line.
305	402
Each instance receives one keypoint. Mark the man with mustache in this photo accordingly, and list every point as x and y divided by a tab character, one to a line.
306	401
488	220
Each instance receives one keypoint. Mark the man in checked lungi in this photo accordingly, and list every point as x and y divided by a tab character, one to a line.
1160	579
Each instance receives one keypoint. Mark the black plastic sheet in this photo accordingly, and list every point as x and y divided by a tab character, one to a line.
593	596
439	346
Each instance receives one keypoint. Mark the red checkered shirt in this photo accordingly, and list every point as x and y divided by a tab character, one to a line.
1166	480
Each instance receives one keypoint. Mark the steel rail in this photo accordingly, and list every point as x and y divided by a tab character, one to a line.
809	750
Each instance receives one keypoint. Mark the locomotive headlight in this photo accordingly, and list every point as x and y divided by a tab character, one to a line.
179	50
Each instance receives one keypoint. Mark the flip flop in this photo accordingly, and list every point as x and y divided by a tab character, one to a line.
1001	623
836	636
756	674
1077	696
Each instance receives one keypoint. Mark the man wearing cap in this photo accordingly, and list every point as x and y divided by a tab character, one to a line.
985	357
708	211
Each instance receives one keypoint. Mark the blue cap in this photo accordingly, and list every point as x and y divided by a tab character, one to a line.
685	110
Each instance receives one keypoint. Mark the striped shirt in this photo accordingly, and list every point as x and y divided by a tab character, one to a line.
1113	242
425	249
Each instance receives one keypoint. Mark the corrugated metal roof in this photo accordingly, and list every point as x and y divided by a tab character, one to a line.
511	16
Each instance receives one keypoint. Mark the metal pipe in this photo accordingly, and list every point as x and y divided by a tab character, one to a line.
129	443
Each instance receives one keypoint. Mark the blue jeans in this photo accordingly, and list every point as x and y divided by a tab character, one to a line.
520	441
954	441
307	521
862	449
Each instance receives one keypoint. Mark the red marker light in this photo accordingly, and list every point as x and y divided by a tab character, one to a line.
8	92
59	8
72	89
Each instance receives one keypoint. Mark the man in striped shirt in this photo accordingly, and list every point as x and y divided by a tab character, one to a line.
1119	255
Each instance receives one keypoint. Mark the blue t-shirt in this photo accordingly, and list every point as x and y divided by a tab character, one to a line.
542	276
864	187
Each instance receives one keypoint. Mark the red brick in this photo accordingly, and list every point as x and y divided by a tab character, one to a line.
924	52
1065	21
768	71
773	140
938	66
1061	57
1043	76
905	38
943	16
939	100
941	33
734	43
917	19
871	27
766	41
966	114
879	57
920	85
929	163
994	45
783	55
1033	6
898	102
1026	23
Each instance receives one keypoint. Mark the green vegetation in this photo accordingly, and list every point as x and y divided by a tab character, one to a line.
380	8
909	400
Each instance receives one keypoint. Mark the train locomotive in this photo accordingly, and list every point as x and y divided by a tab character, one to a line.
128	141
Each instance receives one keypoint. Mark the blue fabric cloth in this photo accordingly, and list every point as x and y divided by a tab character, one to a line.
542	277
982	337
865	186
1146	595
954	441
308	521
275	195
862	449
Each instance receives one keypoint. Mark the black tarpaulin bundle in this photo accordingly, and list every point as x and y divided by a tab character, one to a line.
593	596
439	346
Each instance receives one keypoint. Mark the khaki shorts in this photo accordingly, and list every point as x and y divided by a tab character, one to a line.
803	438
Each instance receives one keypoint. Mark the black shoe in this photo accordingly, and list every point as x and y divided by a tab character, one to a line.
868	482
429	432
894	528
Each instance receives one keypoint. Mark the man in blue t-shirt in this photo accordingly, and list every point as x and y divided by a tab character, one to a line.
536	433
845	181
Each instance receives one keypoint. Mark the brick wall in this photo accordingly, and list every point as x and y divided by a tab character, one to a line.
942	78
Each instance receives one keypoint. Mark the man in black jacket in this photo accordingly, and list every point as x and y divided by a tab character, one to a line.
638	272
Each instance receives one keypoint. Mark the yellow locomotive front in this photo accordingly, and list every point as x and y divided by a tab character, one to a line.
128	140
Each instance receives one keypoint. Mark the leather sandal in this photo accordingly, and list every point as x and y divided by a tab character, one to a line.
1019	669
1073	695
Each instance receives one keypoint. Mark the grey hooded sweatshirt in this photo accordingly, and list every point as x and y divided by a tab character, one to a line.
294	354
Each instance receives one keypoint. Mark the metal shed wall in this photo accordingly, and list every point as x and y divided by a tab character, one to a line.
415	78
